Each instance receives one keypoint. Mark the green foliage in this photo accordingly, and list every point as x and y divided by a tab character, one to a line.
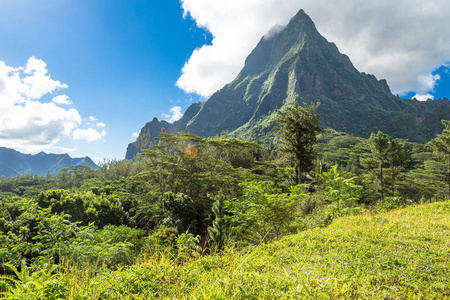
298	127
379	146
386	150
181	172
398	159
25	185
218	231
193	165
88	231
118	169
187	245
39	284
72	177
85	207
400	254
341	190
441	146
163	239
40	236
264	213
182	212
111	247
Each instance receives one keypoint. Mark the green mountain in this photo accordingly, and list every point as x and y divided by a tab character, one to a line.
14	163
298	64
151	129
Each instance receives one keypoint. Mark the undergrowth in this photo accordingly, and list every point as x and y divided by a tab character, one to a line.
400	254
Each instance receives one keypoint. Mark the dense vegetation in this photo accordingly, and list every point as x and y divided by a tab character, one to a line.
396	255
135	227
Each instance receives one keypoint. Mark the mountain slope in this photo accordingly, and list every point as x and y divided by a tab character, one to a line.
13	162
298	64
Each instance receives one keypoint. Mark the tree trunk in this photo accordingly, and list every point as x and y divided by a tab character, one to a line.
381	182
300	174
448	181
393	181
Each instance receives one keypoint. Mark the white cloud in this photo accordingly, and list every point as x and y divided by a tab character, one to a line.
25	122
428	82
399	40
89	135
136	134
38	83
62	99
423	97
92	118
176	114
101	125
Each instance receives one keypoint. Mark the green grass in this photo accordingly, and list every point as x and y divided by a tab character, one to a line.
402	254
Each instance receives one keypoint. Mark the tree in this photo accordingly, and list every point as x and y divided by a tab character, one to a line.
217	231
398	159
193	165
341	190
386	150
441	146
298	127
263	212
379	146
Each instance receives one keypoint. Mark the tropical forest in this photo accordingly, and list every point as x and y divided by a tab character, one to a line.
301	179
318	214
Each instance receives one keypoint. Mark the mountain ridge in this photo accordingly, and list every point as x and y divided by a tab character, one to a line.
13	162
298	64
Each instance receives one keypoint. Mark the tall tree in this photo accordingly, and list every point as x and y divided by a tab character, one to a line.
398	159
379	146
298	127
441	146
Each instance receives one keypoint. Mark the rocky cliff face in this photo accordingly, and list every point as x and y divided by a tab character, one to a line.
298	64
149	131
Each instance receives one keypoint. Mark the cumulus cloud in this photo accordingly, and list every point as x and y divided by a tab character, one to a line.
399	40
136	134
423	97
428	82
92	118
25	122
89	135
62	99
102	125
38	82
175	115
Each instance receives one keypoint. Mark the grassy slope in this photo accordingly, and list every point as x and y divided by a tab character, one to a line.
403	254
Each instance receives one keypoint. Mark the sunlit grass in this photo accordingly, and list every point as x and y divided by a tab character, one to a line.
402	254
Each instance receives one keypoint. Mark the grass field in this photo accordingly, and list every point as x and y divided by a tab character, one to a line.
401	254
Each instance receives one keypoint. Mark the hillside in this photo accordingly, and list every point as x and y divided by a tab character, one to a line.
402	254
299	64
130	229
13	162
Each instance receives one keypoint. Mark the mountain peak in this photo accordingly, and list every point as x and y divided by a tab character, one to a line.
301	21
301	16
279	41
296	63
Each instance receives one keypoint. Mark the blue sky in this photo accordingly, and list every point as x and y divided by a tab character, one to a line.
81	76
119	61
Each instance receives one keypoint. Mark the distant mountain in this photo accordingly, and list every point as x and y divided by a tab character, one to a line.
298	64
13	162
152	129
